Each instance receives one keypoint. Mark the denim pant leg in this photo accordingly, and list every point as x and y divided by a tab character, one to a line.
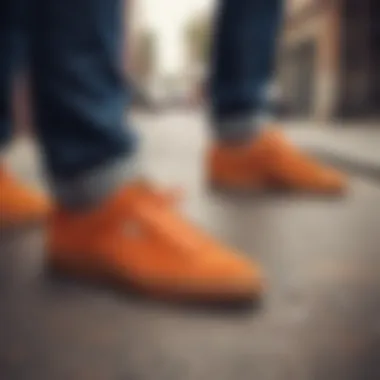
243	61
8	52
78	85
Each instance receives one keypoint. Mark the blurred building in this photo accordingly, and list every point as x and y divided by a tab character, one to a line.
329	58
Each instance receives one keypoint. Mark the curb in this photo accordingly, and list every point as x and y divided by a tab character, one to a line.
345	161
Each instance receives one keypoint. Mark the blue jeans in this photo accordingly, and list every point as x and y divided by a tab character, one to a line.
243	59
79	94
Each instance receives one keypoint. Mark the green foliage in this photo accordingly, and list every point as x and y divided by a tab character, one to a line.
147	52
198	38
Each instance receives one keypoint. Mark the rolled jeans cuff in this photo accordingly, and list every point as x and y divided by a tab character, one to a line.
92	187
241	127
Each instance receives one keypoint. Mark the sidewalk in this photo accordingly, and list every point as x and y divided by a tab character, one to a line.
319	320
355	147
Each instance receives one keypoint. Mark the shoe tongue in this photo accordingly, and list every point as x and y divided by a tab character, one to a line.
164	222
167	224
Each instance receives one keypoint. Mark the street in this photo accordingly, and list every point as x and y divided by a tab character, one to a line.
319	320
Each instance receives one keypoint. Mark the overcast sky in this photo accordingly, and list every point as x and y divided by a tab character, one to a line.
168	19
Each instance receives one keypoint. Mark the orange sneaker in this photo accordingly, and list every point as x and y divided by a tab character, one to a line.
18	203
137	239
271	162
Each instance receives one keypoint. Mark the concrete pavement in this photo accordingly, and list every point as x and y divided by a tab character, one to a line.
319	319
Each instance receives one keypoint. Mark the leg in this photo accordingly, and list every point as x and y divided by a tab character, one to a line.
18	203
12	49
244	54
243	62
7	25
108	226
80	93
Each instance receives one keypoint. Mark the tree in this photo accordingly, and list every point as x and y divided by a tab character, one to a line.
198	38
146	54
